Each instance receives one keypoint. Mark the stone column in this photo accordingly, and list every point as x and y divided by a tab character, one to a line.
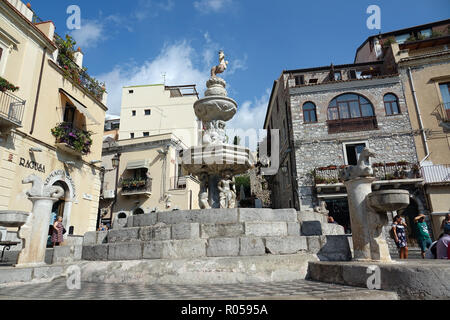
358	189
379	247
35	233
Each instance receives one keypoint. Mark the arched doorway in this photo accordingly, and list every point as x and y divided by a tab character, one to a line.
409	214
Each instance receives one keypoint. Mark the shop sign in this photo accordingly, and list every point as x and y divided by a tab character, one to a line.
33	165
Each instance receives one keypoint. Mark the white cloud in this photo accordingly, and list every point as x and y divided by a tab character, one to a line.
251	114
89	35
206	6
176	61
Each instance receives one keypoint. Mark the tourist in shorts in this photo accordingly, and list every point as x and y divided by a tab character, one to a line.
399	230
423	236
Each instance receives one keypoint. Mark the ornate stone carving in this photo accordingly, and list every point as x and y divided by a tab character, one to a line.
362	170
40	190
322	208
221	67
227	189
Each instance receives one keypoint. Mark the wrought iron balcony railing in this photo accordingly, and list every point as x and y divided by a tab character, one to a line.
383	172
443	112
11	109
141	186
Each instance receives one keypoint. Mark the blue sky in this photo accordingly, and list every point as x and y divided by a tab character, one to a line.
134	42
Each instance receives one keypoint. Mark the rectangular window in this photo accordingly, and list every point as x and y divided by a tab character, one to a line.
132	135
133	113
445	92
148	112
337	76
69	114
353	153
146	134
402	38
352	74
299	80
313	81
130	91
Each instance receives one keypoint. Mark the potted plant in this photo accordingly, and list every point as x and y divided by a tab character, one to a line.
5	85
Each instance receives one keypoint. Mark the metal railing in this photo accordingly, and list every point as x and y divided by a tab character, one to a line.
136	186
11	107
443	112
383	172
437	173
79	75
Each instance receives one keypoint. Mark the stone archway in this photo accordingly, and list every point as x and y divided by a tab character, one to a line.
64	180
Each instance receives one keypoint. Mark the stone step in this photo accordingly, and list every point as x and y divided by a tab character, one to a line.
327	248
182	231
214	216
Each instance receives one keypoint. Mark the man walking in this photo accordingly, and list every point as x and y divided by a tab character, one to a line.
423	236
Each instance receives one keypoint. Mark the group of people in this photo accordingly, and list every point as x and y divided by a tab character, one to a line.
429	250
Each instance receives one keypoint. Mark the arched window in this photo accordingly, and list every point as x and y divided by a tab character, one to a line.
391	104
309	112
350	106
138	212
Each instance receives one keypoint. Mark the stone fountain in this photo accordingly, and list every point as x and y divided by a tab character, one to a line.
216	162
368	210
34	232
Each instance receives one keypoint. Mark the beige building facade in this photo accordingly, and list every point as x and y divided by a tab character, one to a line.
38	120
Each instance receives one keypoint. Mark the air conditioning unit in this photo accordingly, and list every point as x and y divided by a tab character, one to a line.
109	194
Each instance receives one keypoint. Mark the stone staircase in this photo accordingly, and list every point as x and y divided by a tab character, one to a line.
219	233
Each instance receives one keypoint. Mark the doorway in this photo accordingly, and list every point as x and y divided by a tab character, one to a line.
409	214
339	210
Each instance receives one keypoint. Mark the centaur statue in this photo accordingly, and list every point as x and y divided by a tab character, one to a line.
221	67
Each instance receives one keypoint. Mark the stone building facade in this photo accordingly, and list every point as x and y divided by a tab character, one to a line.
326	117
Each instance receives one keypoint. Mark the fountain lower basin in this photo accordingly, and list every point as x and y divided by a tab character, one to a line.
389	200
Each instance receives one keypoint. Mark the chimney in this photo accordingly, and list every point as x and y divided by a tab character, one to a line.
47	28
79	57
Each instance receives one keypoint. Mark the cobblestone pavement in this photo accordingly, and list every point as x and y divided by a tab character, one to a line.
99	291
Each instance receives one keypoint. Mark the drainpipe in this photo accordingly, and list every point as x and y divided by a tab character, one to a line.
38	91
421	127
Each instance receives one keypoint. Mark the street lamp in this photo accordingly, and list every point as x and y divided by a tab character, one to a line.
115	163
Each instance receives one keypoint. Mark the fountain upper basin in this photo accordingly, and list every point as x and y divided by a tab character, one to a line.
13	219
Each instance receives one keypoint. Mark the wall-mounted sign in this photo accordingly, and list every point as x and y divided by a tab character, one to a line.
33	165
62	175
88	197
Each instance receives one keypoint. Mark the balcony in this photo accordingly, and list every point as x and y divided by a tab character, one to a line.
442	113
352	125
73	71
137	187
395	171
72	140
11	111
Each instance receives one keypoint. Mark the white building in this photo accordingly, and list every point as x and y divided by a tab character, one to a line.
158	109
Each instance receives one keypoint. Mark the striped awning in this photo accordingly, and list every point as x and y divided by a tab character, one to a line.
138	164
79	106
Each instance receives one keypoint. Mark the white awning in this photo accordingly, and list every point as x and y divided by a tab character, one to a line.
138	164
80	107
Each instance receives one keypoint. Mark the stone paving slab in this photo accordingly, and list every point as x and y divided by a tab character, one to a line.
294	290
420	279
